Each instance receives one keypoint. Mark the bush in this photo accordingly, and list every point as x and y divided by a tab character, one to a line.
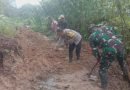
7	26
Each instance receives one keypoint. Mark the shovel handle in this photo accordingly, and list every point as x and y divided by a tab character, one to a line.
94	67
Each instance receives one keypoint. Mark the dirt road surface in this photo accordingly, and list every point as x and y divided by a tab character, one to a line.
44	68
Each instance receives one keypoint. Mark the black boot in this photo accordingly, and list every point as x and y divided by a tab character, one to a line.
104	78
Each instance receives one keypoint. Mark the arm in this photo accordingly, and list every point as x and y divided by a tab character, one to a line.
94	47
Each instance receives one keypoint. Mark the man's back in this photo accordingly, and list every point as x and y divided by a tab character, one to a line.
101	40
62	24
72	35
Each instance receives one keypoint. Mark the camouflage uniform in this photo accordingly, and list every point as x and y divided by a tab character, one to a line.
107	46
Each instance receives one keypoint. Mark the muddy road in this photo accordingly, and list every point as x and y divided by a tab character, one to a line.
44	68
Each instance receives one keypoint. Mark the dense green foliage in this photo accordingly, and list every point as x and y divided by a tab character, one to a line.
81	13
7	24
7	27
78	13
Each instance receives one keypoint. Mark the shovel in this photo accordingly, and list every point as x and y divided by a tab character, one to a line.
90	73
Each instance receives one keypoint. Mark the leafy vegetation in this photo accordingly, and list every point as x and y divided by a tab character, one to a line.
81	13
78	13
7	26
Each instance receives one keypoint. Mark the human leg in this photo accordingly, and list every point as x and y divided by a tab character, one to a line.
78	49
71	48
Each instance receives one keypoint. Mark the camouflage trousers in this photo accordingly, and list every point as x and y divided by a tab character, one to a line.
107	57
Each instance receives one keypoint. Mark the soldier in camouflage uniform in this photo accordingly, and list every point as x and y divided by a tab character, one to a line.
106	46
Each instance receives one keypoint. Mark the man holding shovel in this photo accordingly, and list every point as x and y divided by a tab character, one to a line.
74	40
105	48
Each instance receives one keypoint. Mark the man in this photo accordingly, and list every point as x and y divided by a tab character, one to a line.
106	46
62	22
54	25
74	39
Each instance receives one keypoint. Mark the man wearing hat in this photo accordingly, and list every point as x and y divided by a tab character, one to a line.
62	22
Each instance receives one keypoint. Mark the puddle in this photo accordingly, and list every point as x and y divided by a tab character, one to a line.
49	84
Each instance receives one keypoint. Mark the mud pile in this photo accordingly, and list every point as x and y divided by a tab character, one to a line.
43	68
